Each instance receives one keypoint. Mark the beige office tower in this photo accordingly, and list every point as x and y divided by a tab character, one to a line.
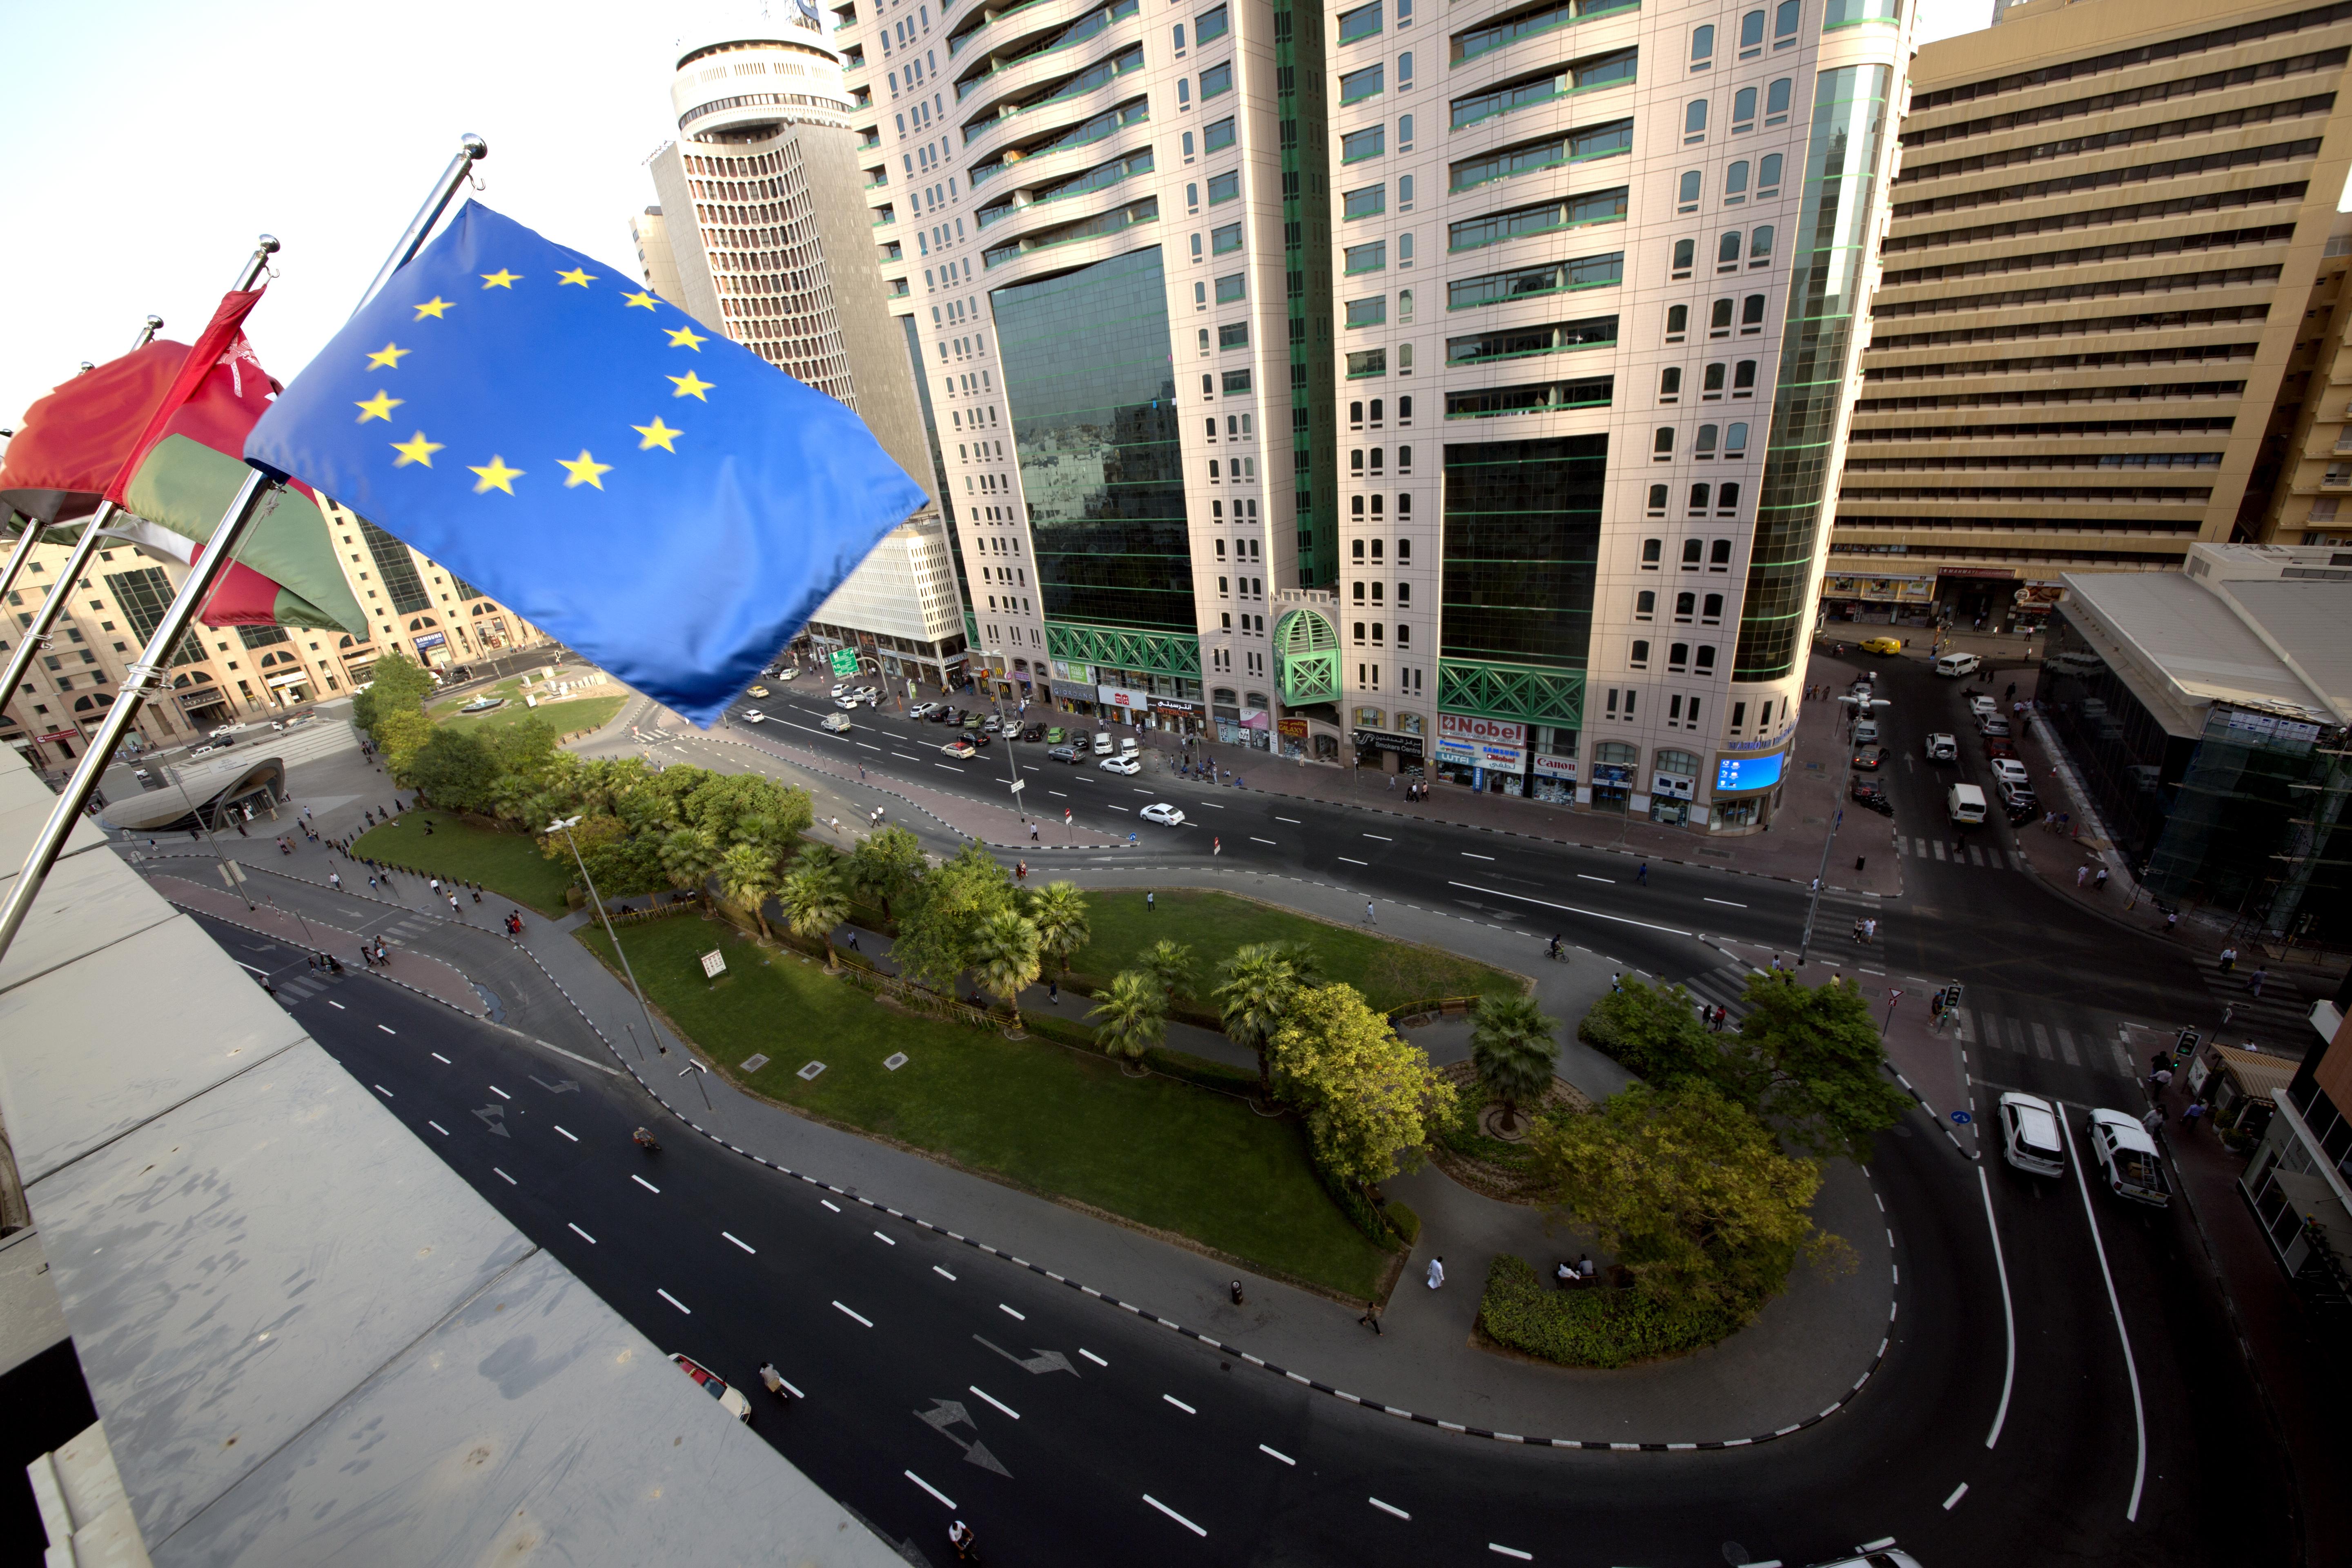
2108	225
761	232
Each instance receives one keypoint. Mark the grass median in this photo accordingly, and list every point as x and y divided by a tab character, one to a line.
507	864
1052	1119
1389	973
569	716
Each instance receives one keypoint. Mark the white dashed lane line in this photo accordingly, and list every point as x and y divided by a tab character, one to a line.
1292	820
1277	1453
1016	1317
1587	877
338	1006
1179	1405
1389	1508
740	1242
439	1128
1092	1357
445	1061
387	1029
504	1177
1381	837
1255	839
863	1322
935	1492
943	1273
673	1300
1726	903
643	1182
884	1240
831	1205
1467	855
384	1091
582	1234
567	1132
502	1094
994	1400
1174	1515
1355	862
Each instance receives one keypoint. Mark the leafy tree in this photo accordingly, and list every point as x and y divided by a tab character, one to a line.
944	914
814	902
397	684
1004	957
689	855
1653	1031
887	866
1688	1190
525	750
1260	981
454	770
1131	1016
1058	910
401	734
1370	1098
621	863
1511	1046
1171	964
748	874
813	856
1812	1063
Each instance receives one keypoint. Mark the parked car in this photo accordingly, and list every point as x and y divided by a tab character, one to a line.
1865	733
1074	755
1981	704
1121	764
848	702
1162	812
922	710
2018	798
1942	749
836	722
754	716
731	1400
960	746
1054	735
1034	733
2009	770
2030	1139
1872	795
840	689
199	751
1958	664
2126	1157
1870	759
1992	724
1102	742
1129	745
783	674
1882	644
1999	746
942	714
977	737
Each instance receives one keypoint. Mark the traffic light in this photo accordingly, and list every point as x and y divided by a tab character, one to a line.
2186	1046
1952	995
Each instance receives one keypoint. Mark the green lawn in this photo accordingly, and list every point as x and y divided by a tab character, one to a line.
507	864
569	716
1160	1152
1389	974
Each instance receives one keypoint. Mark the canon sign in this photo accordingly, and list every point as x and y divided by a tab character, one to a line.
1462	727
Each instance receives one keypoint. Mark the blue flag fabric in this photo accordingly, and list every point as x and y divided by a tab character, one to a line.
664	500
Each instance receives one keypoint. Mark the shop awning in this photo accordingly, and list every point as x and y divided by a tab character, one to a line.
2259	1073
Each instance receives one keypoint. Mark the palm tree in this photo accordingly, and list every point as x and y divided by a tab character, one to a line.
1132	1014
1512	1048
1058	910
748	875
1170	964
813	903
1261	980
689	856
1004	957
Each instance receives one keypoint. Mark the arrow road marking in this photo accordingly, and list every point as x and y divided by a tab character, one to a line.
1045	1361
494	1117
564	1086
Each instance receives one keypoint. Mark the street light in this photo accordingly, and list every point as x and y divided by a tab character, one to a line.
564	826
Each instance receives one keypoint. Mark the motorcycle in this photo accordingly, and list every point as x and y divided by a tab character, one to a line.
775	1384
646	1141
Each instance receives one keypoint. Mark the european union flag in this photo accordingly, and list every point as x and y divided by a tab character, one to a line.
665	501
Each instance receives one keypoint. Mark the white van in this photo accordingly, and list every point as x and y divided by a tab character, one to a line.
1958	664
1966	803
1102	742
1865	733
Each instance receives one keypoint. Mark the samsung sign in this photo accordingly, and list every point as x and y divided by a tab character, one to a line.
1732	773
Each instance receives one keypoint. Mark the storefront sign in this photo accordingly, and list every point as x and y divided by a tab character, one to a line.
1466	728
201	696
1555	767
1733	774
297	679
1123	697
1675	786
1473	754
2002	572
1291	729
430	640
1918	590
1408	724
1379	741
1084	674
1174	705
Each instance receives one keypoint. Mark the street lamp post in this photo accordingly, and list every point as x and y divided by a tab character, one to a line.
1813	903
564	826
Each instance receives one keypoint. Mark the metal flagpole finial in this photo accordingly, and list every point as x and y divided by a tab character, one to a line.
472	149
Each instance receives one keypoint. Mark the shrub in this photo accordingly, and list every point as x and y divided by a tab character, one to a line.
1404	1221
1593	1325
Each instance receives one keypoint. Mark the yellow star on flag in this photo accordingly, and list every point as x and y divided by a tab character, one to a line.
579	275
691	386
655	435
501	278
436	307
418	449
585	470
686	338
642	298
498	476
379	407
387	357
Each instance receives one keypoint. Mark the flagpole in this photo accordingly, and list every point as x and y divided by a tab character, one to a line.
34	528
36	635
151	674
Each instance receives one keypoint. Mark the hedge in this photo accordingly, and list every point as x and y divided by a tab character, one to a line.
1591	1325
1404	1221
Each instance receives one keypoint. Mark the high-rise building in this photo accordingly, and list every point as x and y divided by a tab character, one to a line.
764	234
1457	390
2088	347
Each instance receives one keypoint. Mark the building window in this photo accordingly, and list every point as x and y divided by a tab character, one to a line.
1662	445
1670	384
1686	192
1695	120
1702	51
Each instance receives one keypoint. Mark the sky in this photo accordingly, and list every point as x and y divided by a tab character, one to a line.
154	142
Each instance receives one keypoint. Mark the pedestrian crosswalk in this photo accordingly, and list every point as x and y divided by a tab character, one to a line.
302	987
1965	853
2277	1012
2081	1044
1724	986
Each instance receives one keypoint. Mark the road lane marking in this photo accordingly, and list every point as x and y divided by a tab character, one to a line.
1389	1508
948	766
1174	1515
1179	1405
1726	903
502	1094
503	1176
1381	837
863	744
910	756
643	1182
2008	1311
994	1400
1255	839
384	1091
445	1061
566	1132
1292	820
1355	862
338	1006
932	1489
582	1234
943	1273
242	964
1572	908
1057	794
740	1242
1123	808
439	1128
831	1205
2140	1411
865	1321
1587	877
1092	1357
387	1029
1472	855
1280	1455
1958	1492
1016	1316
673	1300
884	1240
1511	1551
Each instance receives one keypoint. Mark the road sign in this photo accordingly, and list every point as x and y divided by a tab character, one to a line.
1020	785
1961	1118
714	963
844	661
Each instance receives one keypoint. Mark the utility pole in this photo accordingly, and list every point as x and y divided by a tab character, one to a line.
1814	902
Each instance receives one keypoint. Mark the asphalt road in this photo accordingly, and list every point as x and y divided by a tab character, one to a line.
1106	1439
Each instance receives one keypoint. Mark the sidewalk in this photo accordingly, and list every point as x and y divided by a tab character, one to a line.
430	976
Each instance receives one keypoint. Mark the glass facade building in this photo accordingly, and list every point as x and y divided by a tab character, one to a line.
1522	544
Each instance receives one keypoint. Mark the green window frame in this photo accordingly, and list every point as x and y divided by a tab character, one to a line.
1212	24
1235	381
1224	241
1364	22
1217	80
1541	217
1358	145
1369	202
1218	136
1356	86
1530	282
1224	187
1365	363
1232	288
1233	335
1370	313
1372	258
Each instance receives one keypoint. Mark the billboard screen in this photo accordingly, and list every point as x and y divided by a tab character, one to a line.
1748	772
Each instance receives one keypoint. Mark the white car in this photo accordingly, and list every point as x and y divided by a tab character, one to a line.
201	751
1120	765
961	748
1942	748
2126	1157
1981	704
1163	813
2009	771
836	722
731	1400
848	702
754	716
786	674
840	689
2030	1139
922	709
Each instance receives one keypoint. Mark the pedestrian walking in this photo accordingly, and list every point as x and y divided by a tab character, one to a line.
477	892
372	887
335	881
2228	959
1436	1272
437	887
2099	882
2171	918
454	912
2081	874
1642	874
1391	791
2153	1120
2254	981
1371	1318
2191	1114
1151	903
1616	983
2160	1080
1369	919
1052	991
1033	833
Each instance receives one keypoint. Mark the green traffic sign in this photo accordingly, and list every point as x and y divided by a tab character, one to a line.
844	661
